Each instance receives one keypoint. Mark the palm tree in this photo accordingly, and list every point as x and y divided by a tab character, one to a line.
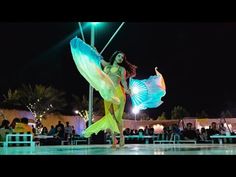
143	116
39	100
162	116
226	114
179	113
202	114
11	99
128	116
81	104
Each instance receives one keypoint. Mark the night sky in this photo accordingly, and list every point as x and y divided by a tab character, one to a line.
196	59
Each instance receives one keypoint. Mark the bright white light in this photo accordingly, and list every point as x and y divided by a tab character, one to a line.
30	124
76	112
94	23
141	127
229	126
199	127
158	128
135	110
159	153
135	90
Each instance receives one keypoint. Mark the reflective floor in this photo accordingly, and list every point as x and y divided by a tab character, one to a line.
129	149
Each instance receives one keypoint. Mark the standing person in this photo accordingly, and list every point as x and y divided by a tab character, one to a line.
118	69
111	83
68	131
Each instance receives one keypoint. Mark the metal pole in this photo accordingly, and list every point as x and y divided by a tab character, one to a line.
112	37
81	31
227	125
90	87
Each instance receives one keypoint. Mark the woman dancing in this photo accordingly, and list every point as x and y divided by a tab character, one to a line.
111	83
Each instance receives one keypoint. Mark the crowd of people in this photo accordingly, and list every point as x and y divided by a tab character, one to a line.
189	132
20	125
61	132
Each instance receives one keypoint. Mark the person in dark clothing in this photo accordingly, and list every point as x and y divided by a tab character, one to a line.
213	131
189	133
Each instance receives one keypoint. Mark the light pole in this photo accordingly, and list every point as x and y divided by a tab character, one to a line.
135	110
90	87
93	24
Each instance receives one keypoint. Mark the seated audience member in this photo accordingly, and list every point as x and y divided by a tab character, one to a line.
59	135
213	130
13	123
23	126
44	131
175	132
52	131
68	131
4	128
189	133
203	134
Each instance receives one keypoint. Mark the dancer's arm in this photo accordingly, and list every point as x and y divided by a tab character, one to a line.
104	63
123	81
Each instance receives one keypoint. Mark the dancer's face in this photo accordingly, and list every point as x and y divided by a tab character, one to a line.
119	58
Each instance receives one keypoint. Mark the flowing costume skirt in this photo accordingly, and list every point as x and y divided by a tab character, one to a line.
108	122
